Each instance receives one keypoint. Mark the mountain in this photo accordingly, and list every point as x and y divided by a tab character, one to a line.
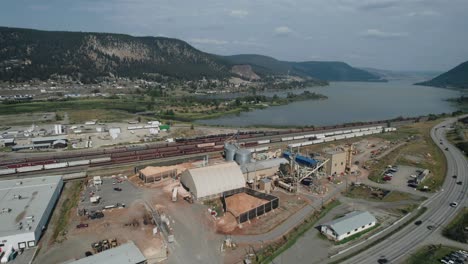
27	53
455	78
415	76
323	70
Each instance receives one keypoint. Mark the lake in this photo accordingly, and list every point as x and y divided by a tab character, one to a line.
348	102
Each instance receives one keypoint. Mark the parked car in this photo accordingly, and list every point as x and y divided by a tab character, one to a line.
88	253
82	225
419	222
118	189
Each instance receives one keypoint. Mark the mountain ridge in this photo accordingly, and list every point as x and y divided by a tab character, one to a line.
456	77
27	54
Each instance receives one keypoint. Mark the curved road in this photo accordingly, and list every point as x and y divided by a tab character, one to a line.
398	247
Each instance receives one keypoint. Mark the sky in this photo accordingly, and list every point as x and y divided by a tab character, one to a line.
425	35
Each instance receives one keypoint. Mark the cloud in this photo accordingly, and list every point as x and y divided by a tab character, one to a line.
375	33
283	30
423	13
369	5
239	13
208	41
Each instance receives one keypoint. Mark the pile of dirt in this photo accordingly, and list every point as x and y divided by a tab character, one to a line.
242	202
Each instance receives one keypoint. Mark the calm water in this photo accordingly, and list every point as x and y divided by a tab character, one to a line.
349	102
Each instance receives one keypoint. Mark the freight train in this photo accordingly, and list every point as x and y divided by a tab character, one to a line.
179	148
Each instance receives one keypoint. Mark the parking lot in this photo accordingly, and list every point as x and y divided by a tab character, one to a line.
109	194
402	177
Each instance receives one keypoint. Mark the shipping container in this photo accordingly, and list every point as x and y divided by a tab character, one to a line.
56	165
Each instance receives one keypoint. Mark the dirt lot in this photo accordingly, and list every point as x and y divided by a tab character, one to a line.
289	204
115	224
242	202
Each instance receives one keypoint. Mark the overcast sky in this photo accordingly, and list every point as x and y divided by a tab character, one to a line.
387	34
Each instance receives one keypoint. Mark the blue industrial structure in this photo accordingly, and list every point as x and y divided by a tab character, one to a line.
302	159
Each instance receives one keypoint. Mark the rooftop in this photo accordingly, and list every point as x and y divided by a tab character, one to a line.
126	253
54	138
26	198
262	165
351	221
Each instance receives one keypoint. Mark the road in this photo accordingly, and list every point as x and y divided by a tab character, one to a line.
398	246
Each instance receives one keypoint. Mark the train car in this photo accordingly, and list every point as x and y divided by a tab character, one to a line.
30	168
204	145
294	145
137	147
298	137
78	163
287	138
7	171
99	160
265	141
56	165
123	154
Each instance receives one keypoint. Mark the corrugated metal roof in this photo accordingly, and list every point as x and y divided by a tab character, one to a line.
41	139
350	222
262	165
215	179
126	253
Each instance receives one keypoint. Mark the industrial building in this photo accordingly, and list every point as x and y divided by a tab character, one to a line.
127	253
26	205
348	225
260	169
212	181
7	142
48	140
337	162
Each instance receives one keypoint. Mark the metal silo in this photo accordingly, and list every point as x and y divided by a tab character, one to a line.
229	151
243	156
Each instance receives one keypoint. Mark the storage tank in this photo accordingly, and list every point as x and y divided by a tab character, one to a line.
229	151
243	156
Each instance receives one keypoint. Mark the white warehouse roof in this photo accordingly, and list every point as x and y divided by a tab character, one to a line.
350	222
126	253
25	201
213	180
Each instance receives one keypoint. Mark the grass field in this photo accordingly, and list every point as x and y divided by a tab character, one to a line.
456	229
81	116
374	194
70	202
429	255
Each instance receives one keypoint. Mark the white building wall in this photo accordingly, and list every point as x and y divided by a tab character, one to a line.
18	240
355	231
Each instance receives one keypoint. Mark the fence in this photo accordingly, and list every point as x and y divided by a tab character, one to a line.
273	203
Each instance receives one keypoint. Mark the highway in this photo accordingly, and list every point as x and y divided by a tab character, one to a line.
399	246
